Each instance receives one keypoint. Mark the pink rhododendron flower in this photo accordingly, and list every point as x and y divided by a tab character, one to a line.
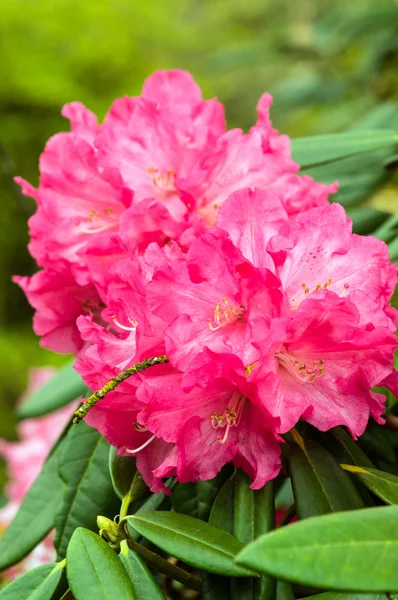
25	459
252	350
158	168
178	237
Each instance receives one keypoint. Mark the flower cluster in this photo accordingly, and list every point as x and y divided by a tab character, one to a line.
161	233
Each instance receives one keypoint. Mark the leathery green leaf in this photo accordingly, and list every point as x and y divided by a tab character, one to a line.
38	584
127	481
36	513
342	551
196	542
89	492
384	485
320	149
94	571
284	590
142	580
216	587
343	596
253	515
319	483
63	388
196	499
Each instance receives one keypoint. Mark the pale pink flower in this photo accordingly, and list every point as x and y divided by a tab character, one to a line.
25	459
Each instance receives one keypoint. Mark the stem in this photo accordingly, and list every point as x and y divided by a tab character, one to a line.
125	507
82	412
163	566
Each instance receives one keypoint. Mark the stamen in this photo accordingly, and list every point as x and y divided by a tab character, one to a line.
223	439
138	427
224	314
96	223
135	450
134	324
300	371
85	229
231	416
164	180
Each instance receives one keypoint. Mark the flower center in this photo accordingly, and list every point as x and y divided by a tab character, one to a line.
224	314
164	180
97	222
301	371
230	417
295	302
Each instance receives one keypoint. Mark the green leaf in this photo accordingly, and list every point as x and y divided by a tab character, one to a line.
89	492
154	502
36	514
127	482
142	580
122	470
216	587
284	591
384	485
254	515
196	499
64	387
321	149
94	571
342	551
350	452
319	483
339	443
222	511
195	542
343	596
38	584
376	444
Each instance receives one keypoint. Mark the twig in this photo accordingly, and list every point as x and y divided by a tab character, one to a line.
81	412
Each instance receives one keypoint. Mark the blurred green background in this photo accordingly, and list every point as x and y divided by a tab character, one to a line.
330	64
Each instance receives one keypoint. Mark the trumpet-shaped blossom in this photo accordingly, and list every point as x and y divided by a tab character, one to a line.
314	351
158	168
321	364
212	425
215	300
319	251
116	416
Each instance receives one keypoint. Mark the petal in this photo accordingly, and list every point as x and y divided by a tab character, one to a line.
252	217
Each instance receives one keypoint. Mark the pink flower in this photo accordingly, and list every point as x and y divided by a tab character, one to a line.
213	300
319	251
212	425
312	350
58	301
25	459
116	416
321	364
159	168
